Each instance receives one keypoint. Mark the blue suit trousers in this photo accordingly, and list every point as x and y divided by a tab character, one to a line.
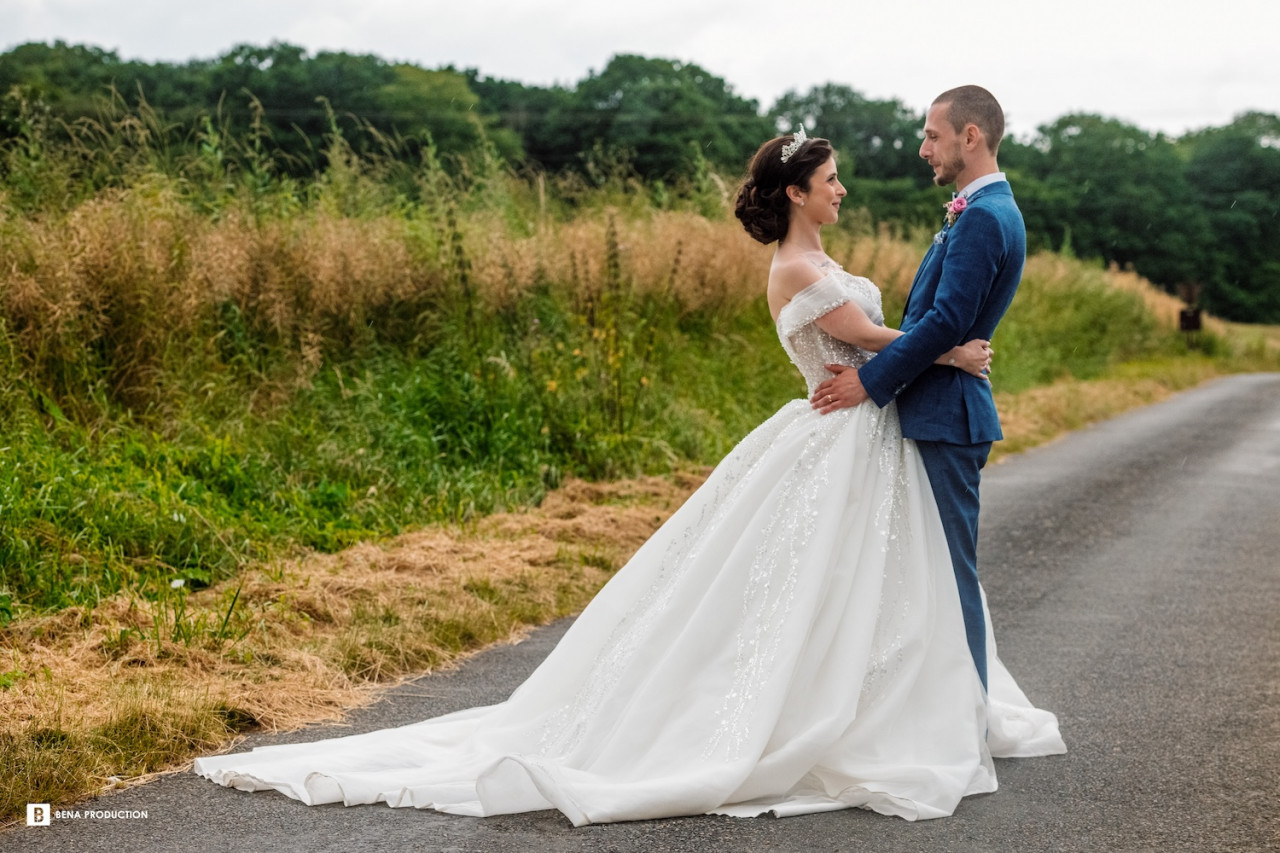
955	471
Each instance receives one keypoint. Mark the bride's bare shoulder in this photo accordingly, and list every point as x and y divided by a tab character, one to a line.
789	275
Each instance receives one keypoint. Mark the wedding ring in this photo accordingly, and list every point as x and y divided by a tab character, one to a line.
828	398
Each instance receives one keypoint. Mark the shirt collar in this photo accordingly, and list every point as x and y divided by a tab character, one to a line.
984	181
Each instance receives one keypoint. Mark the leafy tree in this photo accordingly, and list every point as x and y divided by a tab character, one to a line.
439	105
294	98
666	116
880	139
542	119
1235	172
1121	195
300	97
66	77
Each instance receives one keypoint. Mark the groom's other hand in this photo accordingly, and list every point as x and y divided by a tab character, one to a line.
841	391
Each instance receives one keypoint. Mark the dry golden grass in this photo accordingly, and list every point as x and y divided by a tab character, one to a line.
138	268
891	263
321	634
701	261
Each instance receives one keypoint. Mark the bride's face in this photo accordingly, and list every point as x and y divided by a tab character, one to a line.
822	200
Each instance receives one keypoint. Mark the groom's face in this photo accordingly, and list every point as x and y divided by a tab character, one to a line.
942	145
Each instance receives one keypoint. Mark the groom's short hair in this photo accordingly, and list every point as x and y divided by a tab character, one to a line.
974	105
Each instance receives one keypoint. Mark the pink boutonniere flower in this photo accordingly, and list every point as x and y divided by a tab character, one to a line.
954	208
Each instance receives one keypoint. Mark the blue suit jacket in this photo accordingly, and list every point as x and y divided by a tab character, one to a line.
963	287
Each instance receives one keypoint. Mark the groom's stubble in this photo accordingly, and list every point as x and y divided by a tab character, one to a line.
951	168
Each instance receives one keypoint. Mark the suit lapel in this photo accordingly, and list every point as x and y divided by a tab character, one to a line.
918	282
998	187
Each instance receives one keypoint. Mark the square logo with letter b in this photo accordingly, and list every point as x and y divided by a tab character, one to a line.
39	814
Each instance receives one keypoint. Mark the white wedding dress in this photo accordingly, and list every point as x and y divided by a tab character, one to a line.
790	641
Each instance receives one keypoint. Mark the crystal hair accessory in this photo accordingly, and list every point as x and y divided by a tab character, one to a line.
793	146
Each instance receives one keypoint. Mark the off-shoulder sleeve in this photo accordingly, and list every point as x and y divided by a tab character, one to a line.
822	297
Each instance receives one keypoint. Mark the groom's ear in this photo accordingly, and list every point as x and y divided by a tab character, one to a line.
972	136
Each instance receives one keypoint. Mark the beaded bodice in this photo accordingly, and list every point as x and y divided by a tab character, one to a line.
810	348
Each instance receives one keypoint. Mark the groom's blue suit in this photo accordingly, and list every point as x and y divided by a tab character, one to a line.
962	289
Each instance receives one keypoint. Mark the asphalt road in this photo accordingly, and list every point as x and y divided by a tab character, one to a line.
1133	573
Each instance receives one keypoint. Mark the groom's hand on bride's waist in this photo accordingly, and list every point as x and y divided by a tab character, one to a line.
843	390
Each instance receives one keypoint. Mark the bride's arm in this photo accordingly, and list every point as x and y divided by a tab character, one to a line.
851	324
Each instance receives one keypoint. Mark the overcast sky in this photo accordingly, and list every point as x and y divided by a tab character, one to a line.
1168	65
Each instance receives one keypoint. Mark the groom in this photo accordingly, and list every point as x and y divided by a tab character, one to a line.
963	287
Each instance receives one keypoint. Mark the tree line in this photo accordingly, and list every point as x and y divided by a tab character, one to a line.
1198	214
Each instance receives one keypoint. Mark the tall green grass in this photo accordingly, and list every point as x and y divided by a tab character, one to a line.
1076	329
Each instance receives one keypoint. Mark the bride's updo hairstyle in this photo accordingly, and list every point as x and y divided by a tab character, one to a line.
762	205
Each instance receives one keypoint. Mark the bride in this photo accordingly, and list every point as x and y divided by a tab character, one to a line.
790	641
